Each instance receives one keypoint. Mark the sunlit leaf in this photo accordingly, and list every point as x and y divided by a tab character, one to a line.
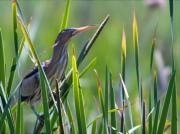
78	100
93	131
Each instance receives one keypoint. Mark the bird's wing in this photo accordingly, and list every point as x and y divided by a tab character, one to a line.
35	70
30	84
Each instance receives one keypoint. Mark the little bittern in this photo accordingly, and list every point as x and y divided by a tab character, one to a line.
54	68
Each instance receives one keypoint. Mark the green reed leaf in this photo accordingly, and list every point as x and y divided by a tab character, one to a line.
112	98
7	111
78	98
166	105
93	131
2	61
66	15
59	109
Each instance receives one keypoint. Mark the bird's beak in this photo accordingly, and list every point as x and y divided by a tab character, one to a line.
83	29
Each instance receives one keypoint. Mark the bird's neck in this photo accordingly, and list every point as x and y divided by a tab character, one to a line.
58	52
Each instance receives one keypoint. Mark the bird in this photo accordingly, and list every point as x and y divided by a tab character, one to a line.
54	68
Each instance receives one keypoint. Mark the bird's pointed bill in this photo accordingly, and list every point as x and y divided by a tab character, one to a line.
83	29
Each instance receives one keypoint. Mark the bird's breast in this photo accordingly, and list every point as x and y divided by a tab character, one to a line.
58	69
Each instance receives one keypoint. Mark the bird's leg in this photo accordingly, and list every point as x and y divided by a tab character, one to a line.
36	113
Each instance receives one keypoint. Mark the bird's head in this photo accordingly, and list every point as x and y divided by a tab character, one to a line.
66	34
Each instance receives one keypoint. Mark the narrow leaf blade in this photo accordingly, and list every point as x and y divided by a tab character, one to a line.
166	105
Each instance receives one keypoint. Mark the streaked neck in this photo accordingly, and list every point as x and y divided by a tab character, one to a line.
58	52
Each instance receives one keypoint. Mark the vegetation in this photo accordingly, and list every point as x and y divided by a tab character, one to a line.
115	116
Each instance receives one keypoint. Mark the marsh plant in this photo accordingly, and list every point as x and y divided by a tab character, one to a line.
115	110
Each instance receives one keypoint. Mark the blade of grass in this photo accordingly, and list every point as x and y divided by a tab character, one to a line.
155	123
54	119
112	98
106	98
166	105
150	117
90	43
93	131
78	98
13	65
19	116
7	111
45	103
152	52
141	100
82	109
150	125
59	109
171	9
174	110
123	59
100	129
136	47
101	115
155	89
23	40
150	113
2	61
76	94
11	77
90	66
127	98
144	119
14	12
150	92
64	22
133	129
174	97
71	120
22	119
101	102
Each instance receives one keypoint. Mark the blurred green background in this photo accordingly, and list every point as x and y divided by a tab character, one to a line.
46	21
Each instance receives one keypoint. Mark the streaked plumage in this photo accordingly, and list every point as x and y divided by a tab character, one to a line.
54	68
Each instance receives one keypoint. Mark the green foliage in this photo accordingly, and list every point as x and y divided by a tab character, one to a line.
64	22
136	47
45	103
6	111
18	120
166	105
93	131
14	12
2	61
59	109
112	98
100	94
63	118
78	99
